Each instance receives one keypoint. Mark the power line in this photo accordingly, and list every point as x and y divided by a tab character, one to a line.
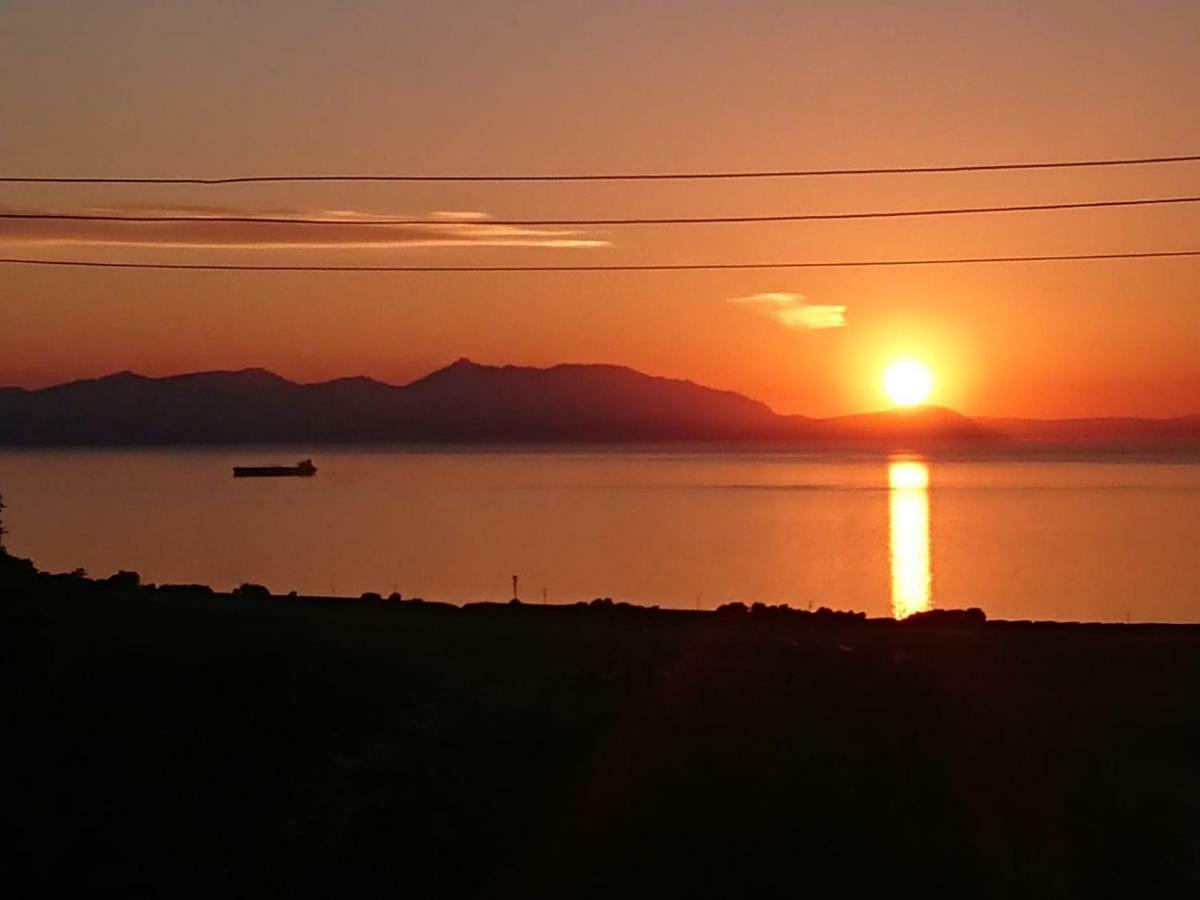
620	176
670	220
622	267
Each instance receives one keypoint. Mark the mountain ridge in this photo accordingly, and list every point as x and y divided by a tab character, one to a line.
468	402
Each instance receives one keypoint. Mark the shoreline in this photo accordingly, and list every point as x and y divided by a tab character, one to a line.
22	575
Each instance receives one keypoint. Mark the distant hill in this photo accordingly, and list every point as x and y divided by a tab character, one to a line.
929	422
462	403
469	403
1114	430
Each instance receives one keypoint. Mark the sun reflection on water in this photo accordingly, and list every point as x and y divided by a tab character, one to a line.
908	520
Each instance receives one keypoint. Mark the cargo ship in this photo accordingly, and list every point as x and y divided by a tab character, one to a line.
304	469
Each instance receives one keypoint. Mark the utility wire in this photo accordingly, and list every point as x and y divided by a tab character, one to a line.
670	220
622	176
620	267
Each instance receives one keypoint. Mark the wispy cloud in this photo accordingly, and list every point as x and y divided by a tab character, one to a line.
446	229
792	311
460	215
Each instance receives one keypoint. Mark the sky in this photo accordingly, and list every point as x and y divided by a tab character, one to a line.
173	89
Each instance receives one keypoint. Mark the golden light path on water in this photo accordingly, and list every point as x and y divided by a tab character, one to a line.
908	523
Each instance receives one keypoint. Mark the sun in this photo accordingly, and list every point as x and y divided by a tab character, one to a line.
907	382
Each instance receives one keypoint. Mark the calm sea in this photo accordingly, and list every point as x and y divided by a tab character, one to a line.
1112	539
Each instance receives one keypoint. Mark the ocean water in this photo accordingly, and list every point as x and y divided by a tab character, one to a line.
1110	538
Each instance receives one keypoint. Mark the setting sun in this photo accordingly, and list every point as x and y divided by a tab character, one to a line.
907	382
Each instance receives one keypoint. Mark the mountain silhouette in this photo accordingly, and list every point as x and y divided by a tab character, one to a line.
928	422
466	402
1112	429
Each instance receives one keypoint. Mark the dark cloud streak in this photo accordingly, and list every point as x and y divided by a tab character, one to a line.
460	229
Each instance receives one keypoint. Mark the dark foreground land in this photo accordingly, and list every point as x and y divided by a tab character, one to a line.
169	743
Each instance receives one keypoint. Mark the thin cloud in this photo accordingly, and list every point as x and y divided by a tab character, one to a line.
460	215
791	311
453	229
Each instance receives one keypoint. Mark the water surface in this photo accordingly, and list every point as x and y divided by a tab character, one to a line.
1104	538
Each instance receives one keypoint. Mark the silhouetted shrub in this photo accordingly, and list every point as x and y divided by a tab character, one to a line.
825	614
972	616
12	567
123	581
393	597
370	595
735	608
764	609
199	589
251	591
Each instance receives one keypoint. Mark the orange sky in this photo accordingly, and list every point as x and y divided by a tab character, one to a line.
128	88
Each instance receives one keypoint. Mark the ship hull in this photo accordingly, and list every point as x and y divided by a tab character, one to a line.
304	470
271	473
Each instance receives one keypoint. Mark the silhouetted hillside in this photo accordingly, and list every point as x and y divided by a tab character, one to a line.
126	408
1113	429
933	423
470	403
581	402
464	402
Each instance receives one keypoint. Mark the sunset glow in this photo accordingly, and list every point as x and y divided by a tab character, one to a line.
907	382
1047	340
675	447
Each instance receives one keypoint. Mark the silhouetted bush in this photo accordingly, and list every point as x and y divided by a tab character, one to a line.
197	589
735	608
11	568
972	616
370	595
764	609
393	597
123	581
825	614
251	591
